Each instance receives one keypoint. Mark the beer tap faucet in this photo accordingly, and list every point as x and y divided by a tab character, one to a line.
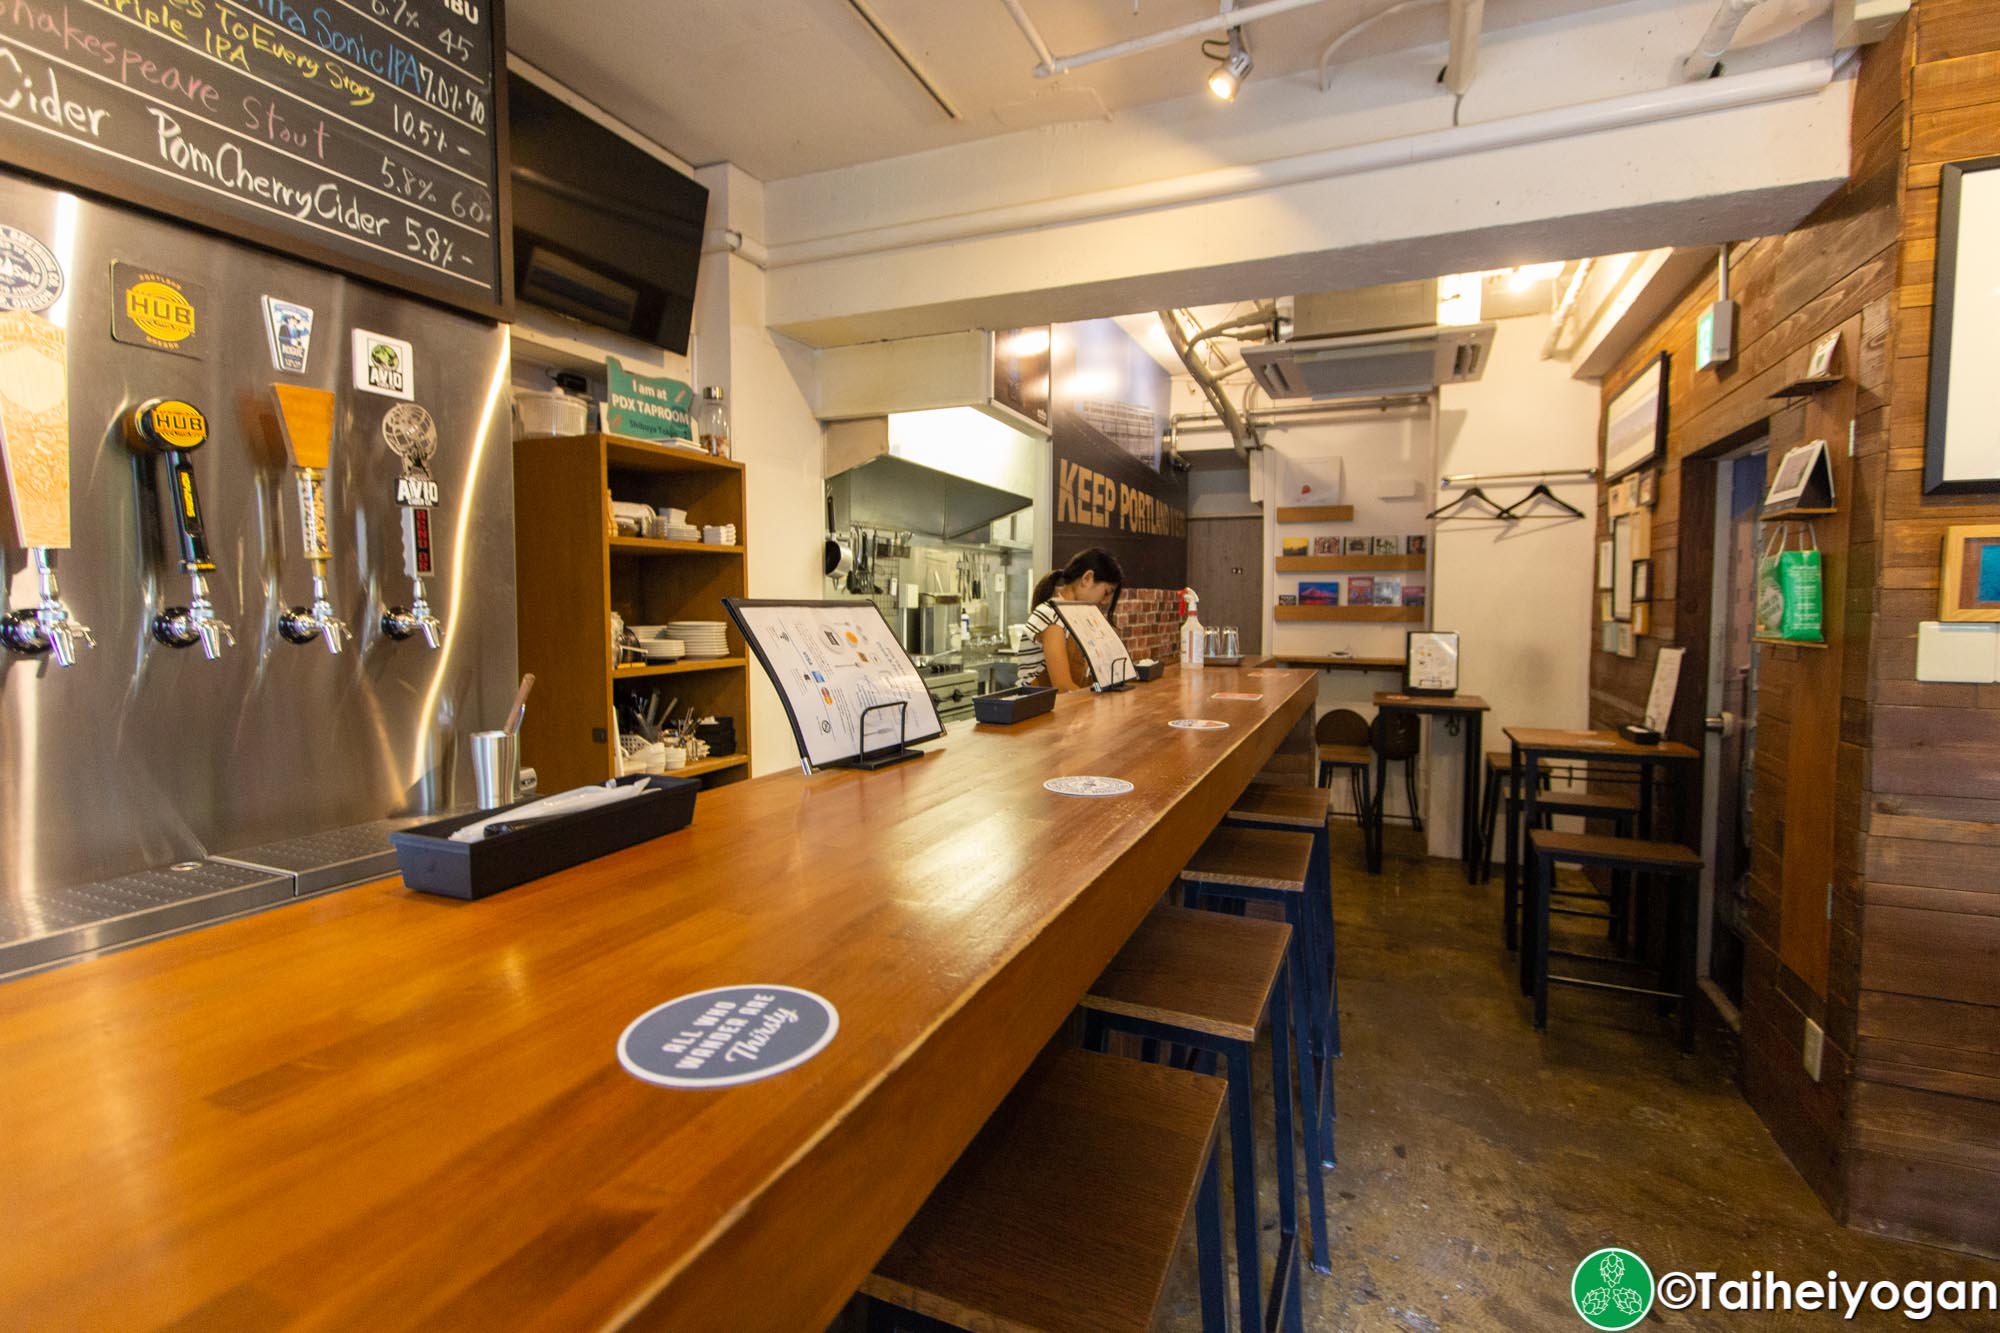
49	628
306	416
34	456
411	435
176	429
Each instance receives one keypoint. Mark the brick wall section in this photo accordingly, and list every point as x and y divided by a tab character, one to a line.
1149	621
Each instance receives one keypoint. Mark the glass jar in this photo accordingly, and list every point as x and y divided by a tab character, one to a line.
712	421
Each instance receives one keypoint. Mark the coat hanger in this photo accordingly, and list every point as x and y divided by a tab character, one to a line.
1476	493
1541	492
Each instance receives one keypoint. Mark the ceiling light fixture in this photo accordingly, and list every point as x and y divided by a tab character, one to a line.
1226	79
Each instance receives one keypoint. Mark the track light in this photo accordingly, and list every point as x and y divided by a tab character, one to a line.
1227	78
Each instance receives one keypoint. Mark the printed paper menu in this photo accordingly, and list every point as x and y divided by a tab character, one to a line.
832	661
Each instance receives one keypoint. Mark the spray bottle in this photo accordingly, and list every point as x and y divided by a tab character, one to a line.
1193	638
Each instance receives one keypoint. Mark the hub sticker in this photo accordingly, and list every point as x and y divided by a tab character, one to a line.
728	1035
383	365
30	276
288	328
171	423
412	436
157	311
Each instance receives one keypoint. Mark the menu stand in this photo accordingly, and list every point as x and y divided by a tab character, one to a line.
896	753
1117	681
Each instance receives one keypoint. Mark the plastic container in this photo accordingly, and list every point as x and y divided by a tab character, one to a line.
538	413
1004	707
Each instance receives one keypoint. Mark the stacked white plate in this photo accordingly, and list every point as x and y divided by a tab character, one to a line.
704	638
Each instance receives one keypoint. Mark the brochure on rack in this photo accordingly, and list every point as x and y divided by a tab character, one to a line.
847	685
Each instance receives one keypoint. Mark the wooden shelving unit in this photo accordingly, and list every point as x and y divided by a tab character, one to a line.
1328	662
1369	614
1333	564
1316	513
571	574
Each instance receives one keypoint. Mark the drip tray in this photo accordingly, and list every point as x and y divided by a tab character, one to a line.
85	918
58	924
331	860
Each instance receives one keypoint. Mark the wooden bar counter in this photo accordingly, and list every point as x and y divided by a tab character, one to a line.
378	1109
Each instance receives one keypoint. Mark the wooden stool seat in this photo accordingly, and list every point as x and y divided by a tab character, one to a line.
1591	804
1066	1211
1294	807
1594	849
1195	970
1346	756
1253	858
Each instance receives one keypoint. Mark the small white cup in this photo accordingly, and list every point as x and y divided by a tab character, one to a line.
674	756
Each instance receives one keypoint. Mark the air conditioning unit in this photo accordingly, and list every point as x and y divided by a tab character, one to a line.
1369	365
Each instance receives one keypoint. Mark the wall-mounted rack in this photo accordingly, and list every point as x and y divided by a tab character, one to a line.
1333	564
1316	514
1376	614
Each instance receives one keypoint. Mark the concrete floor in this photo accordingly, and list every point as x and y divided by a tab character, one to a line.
1480	1161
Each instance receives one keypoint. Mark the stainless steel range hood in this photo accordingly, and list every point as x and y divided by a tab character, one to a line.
877	489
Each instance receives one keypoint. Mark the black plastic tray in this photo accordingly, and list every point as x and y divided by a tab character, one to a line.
432	863
1151	670
1016	705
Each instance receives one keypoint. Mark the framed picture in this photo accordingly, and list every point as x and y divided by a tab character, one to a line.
1635	423
1385	546
1649	487
1642	580
1961	448
1388	590
1323	593
1413	595
1604	566
1415	544
1820	367
1621	568
1430	662
1288	599
1357	546
1297	545
1969	583
1361	590
1326	546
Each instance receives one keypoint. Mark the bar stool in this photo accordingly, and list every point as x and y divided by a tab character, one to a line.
1499	768
1397	736
1205	980
1305	810
1066	1211
1240	865
1681	867
1622	811
1342	738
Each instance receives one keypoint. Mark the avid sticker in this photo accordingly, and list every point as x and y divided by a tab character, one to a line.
1198	724
30	276
728	1035
156	310
1088	786
384	365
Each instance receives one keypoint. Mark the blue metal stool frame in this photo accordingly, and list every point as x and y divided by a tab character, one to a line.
1326	997
1198	892
1283	1302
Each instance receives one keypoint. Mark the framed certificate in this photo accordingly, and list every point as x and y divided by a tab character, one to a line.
1430	662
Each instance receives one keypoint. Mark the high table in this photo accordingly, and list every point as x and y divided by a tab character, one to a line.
377	1109
1531	745
1469	712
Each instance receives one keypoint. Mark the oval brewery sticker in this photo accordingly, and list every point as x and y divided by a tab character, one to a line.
728	1035
30	277
1198	724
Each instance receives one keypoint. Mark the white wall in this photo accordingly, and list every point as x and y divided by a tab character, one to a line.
1520	595
768	379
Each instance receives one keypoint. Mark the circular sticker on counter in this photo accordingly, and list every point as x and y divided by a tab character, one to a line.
1246	698
1198	724
1088	786
30	276
728	1035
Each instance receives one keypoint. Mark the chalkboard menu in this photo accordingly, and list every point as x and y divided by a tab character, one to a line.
364	135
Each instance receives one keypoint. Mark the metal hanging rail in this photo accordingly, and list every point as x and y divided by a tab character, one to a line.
1475	478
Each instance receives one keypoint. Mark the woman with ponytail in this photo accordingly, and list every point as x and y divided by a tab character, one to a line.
1091	576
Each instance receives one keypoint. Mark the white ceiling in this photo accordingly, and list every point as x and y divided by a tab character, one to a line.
788	87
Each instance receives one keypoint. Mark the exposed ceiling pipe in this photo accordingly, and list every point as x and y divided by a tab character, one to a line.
902	53
1262	317
1363	26
1802	79
1702	63
1566	308
1467	17
1222	22
1043	57
1242	435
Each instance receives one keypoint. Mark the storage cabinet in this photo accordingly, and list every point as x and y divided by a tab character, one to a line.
572	574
